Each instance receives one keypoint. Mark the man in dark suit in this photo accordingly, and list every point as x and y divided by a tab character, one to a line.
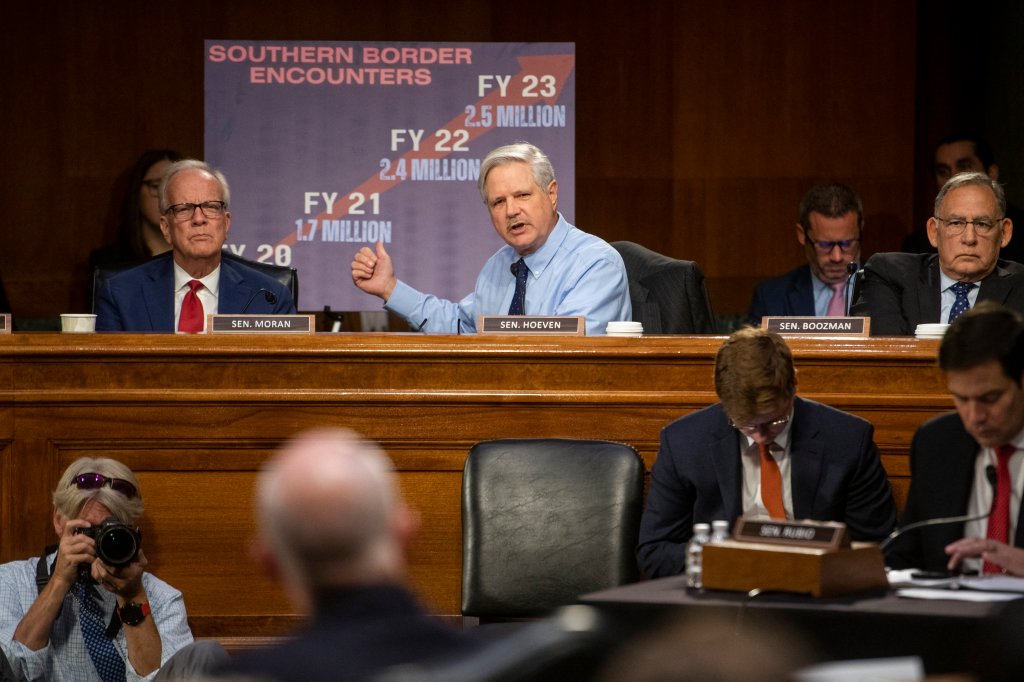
830	228
175	291
900	291
761	450
971	461
333	530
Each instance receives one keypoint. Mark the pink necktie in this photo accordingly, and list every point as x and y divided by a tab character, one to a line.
191	318
999	519
837	304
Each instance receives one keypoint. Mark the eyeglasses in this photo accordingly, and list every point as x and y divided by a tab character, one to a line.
774	426
153	186
845	245
210	209
982	227
94	481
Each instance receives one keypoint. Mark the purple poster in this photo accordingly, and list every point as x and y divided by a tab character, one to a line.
331	146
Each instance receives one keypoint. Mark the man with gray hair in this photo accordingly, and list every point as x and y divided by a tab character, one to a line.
175	291
547	267
333	530
86	609
902	290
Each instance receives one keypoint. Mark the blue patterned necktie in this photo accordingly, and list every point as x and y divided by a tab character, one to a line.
521	272
962	303
101	649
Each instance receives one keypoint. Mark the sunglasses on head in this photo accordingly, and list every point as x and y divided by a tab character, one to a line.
94	481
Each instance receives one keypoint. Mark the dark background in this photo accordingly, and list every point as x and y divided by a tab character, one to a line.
699	125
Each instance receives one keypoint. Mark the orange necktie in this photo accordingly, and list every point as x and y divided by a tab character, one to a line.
771	483
191	318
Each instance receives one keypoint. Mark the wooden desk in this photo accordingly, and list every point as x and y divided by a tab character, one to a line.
195	416
947	635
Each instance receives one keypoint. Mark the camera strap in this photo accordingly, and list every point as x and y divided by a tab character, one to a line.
43	569
43	572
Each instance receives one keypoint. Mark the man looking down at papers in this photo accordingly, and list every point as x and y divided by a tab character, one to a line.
547	266
761	451
971	461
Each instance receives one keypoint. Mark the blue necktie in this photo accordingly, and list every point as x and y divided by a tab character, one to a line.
962	303
521	272
101	649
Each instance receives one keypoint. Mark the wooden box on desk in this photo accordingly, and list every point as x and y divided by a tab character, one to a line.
822	572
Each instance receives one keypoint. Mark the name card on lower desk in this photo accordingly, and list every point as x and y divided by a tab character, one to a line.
565	325
818	326
261	324
792	556
5	323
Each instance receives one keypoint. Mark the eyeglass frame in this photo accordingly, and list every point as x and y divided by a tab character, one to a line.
120	485
958	226
768	427
823	247
220	210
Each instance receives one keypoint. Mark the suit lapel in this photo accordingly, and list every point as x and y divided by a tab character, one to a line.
929	298
806	452
996	287
725	454
158	296
800	296
232	296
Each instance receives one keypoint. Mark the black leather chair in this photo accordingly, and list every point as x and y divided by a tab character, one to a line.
669	296
284	274
545	520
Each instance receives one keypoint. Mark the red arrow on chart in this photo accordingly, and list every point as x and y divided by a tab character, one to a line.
559	66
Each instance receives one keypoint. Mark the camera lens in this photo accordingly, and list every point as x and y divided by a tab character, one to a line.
117	545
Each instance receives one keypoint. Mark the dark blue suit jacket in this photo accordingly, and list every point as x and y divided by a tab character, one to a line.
356	634
835	475
141	299
942	458
788	294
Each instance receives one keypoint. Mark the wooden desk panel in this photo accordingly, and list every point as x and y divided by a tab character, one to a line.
195	416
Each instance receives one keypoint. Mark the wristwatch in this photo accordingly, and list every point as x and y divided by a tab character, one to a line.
133	613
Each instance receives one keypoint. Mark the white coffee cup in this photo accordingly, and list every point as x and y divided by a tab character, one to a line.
77	323
624	328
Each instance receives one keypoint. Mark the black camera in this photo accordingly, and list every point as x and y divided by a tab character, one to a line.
117	544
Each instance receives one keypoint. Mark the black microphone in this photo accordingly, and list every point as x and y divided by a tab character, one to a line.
990	476
853	274
270	297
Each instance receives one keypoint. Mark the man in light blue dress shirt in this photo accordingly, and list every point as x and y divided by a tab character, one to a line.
570	272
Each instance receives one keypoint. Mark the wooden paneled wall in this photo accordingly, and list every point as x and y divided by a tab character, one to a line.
699	126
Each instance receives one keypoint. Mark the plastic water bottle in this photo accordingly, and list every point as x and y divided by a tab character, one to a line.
695	555
719	531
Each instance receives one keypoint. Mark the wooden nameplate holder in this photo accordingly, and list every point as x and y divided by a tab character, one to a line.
812	557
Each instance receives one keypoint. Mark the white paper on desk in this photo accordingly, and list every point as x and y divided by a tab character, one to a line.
993	583
956	595
904	669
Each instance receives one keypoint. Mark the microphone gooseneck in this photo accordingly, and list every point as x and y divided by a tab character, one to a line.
268	295
990	476
853	275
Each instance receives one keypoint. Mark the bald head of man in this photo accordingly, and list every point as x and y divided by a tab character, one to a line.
330	514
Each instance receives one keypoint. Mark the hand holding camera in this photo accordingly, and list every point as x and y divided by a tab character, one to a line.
118	547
